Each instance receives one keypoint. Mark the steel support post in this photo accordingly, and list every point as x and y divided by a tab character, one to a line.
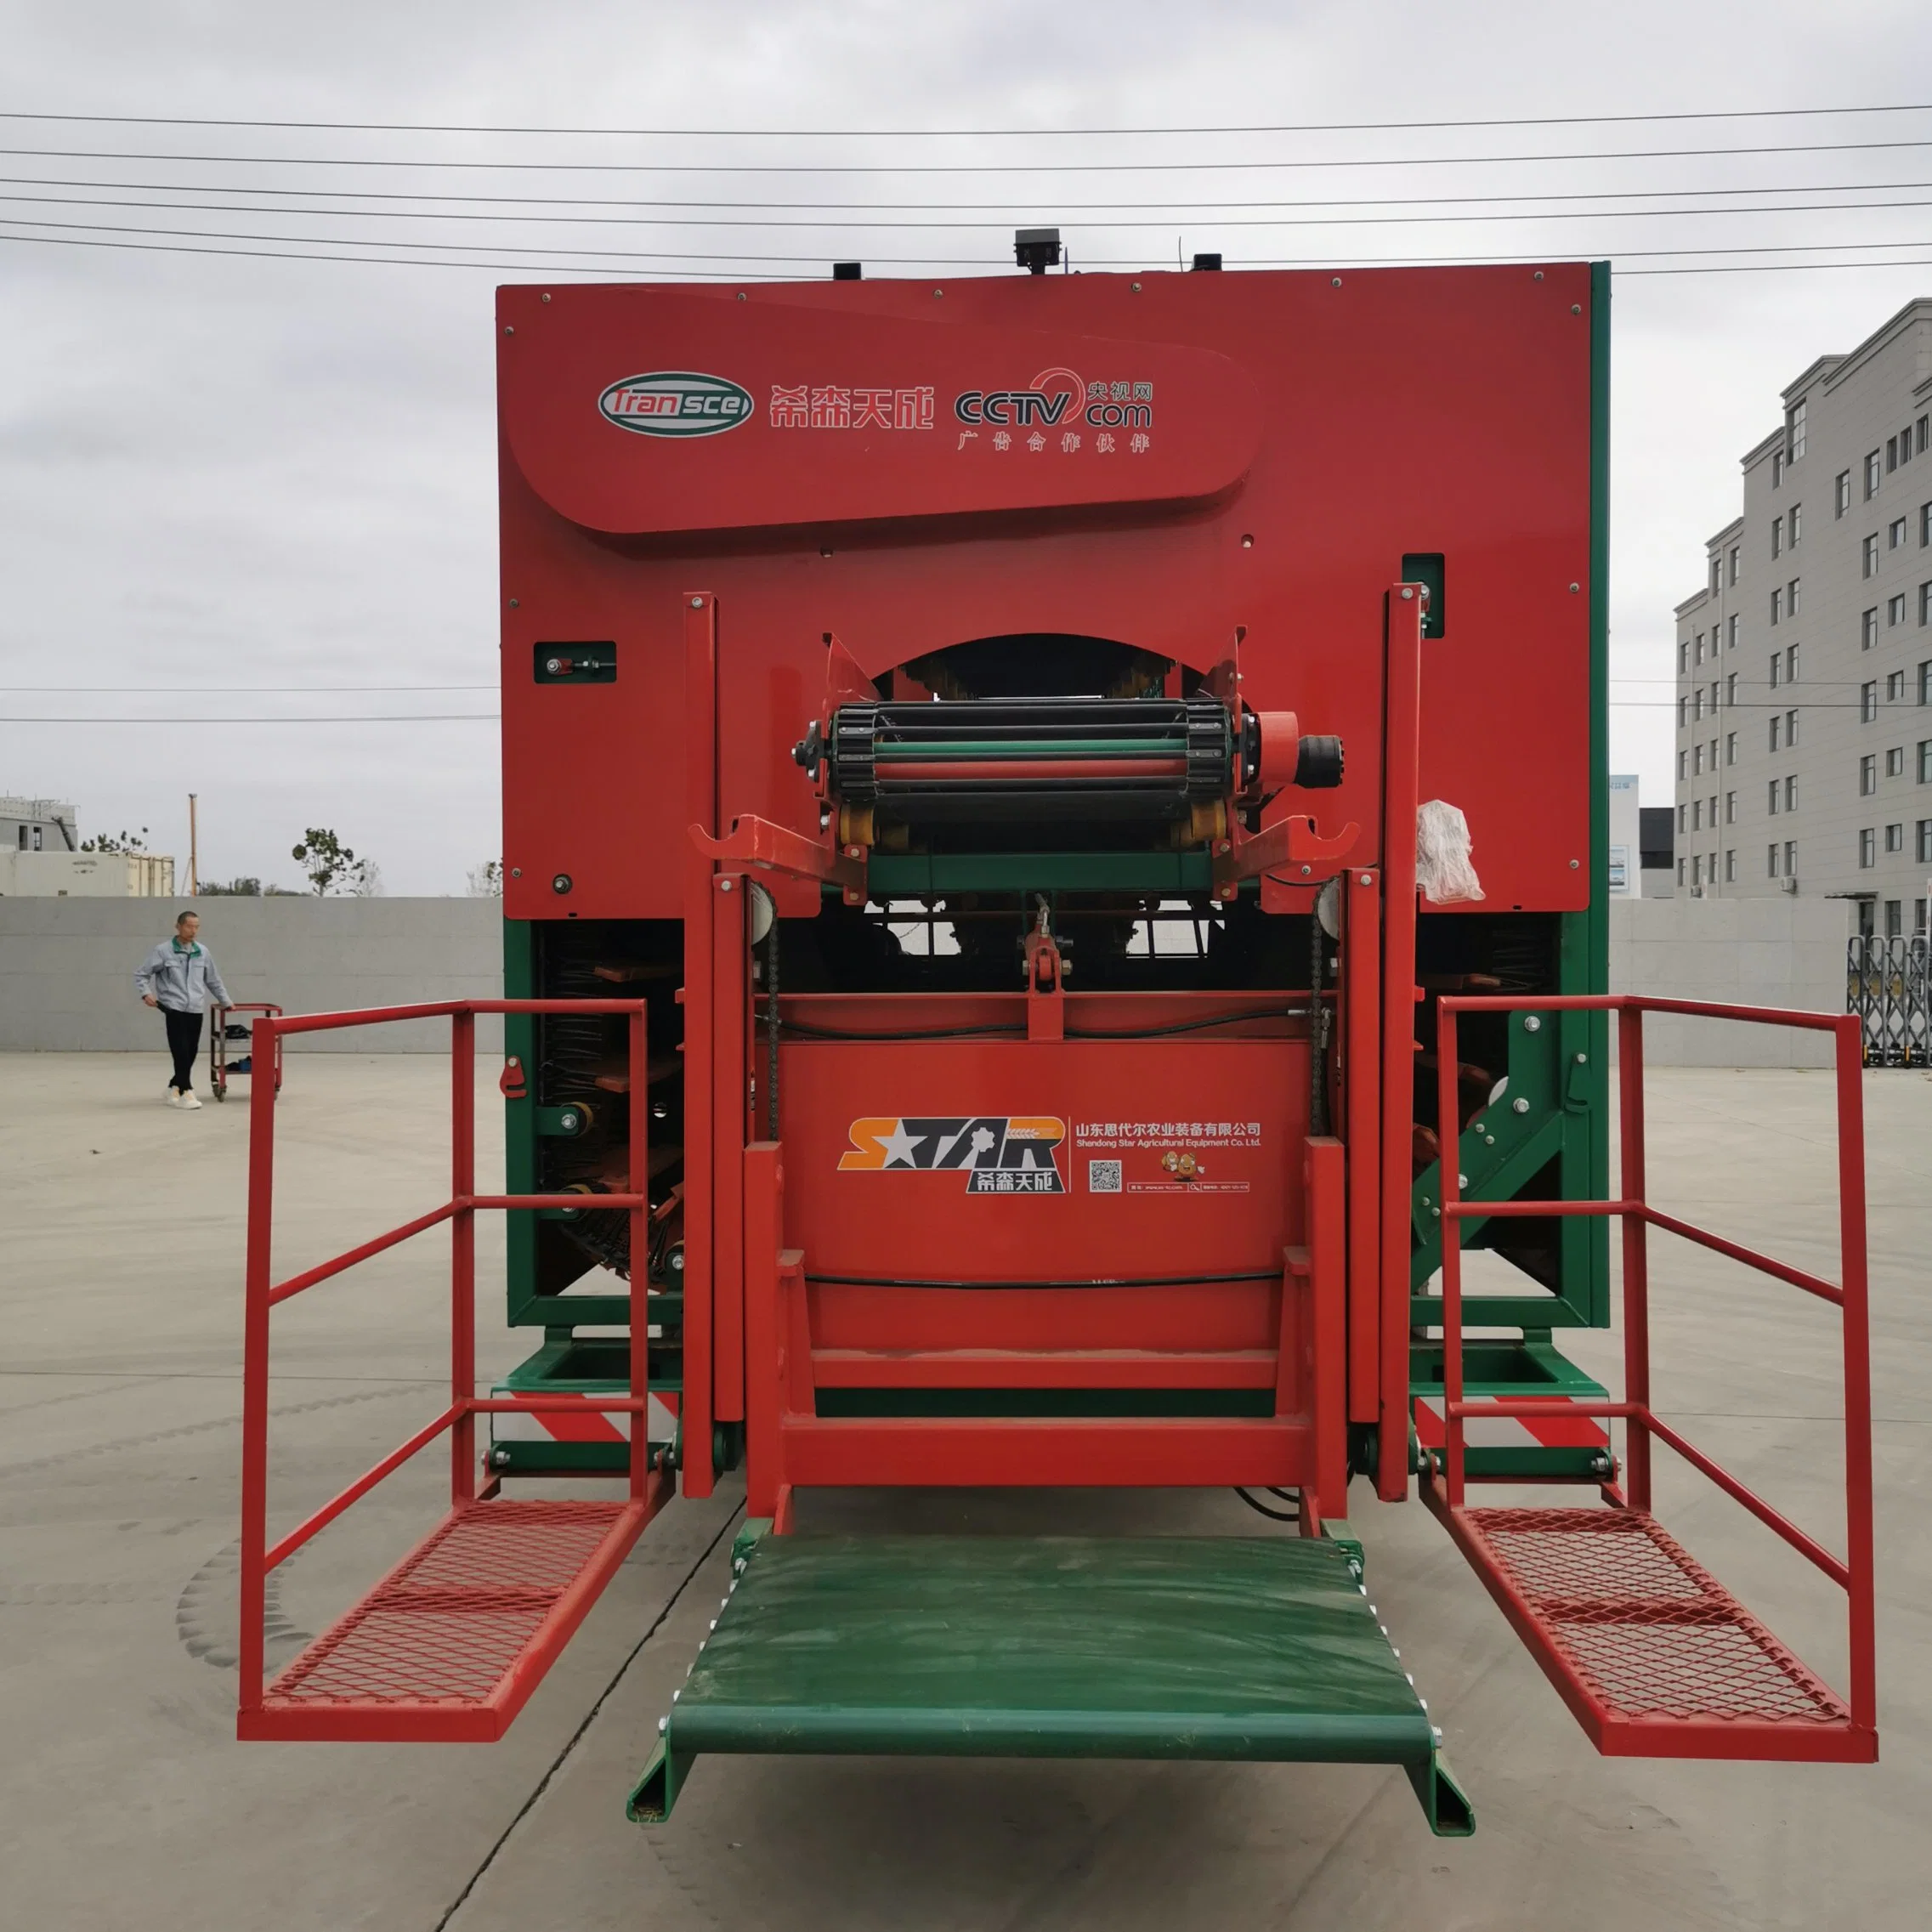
700	805
255	1371
1401	794
1359	1032
462	1256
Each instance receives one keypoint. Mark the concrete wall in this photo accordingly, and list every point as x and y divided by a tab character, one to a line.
1768	952
67	966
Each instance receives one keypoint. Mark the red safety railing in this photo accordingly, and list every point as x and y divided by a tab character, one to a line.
452	1642
1651	1654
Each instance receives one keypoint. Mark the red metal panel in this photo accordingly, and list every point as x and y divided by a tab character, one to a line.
699	808
1005	1453
1017	1161
730	1024
1486	368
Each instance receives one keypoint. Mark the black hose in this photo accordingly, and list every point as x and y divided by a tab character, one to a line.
1262	1510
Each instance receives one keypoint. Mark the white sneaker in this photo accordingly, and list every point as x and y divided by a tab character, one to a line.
188	1102
172	1096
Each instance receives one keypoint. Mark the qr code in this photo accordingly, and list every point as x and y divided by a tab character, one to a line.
1103	1177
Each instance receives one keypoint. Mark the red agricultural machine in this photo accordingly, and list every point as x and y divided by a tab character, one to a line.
991	776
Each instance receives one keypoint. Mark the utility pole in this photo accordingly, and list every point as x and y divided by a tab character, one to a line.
194	869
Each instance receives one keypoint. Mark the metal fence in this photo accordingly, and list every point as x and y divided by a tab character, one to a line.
1888	985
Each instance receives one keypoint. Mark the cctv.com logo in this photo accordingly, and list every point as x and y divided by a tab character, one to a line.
1058	395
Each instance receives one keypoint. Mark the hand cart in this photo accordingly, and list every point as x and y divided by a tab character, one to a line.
226	1028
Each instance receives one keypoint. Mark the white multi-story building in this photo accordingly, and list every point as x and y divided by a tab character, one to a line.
1804	742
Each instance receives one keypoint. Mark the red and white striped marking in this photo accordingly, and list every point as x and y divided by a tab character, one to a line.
565	1425
1511	1431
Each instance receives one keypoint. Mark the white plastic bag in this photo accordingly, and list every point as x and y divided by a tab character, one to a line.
1442	869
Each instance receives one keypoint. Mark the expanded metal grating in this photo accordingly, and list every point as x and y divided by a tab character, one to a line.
1649	1630
447	1625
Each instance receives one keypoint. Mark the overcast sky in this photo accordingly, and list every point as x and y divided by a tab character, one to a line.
278	474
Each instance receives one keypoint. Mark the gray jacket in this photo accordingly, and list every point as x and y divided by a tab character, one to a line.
183	978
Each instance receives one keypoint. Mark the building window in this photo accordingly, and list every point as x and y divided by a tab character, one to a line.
1841	493
1735	551
1696	869
1730	692
1895	534
1683	818
1790	793
1717	575
1925	841
1924	524
1731	748
1771	861
1778	536
1777	468
1868	556
1892	453
1925	601
1683	709
1794	429
1731	629
1731	867
1895	838
1874	476
1791	666
1793	520
1698	704
1773	792
1791	727
1924	421
1680	872
1791	858
1697	760
1778	670
1925	682
1867	849
1696	814
1869	628
1868	702
1893	920
1894	763
1894	609
1895	687
1730	807
1680	755
1791	596
1776	731
1925	761
1777	605
1867	775
1682	655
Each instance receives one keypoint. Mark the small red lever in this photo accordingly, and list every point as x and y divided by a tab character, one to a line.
511	1085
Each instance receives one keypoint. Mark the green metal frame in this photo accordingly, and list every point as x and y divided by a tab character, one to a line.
568	1364
906	876
1531	1367
1229	1649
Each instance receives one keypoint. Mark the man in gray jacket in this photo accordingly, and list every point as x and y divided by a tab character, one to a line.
180	977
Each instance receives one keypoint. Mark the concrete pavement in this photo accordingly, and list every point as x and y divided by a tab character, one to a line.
125	1803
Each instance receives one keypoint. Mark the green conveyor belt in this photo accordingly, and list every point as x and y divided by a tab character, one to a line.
1255	1649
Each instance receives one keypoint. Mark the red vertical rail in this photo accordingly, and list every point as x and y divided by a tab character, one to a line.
1855	1309
1448	1132
700	805
1328	1285
730	970
1402	797
1361	1130
462	1256
639	1184
764	1398
1630	1187
263	1047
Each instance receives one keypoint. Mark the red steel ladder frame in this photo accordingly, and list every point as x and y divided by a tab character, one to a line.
448	1645
1651	1654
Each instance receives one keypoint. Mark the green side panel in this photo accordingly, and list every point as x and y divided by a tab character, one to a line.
1251	1649
1527	1368
1046	1401
1585	947
894	875
520	1129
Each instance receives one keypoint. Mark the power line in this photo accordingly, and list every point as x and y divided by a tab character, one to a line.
961	134
1064	208
554	269
960	167
991	225
688	255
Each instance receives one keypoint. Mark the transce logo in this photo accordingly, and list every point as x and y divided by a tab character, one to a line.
675	403
1010	1155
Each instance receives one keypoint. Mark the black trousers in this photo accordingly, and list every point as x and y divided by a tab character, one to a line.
184	1042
